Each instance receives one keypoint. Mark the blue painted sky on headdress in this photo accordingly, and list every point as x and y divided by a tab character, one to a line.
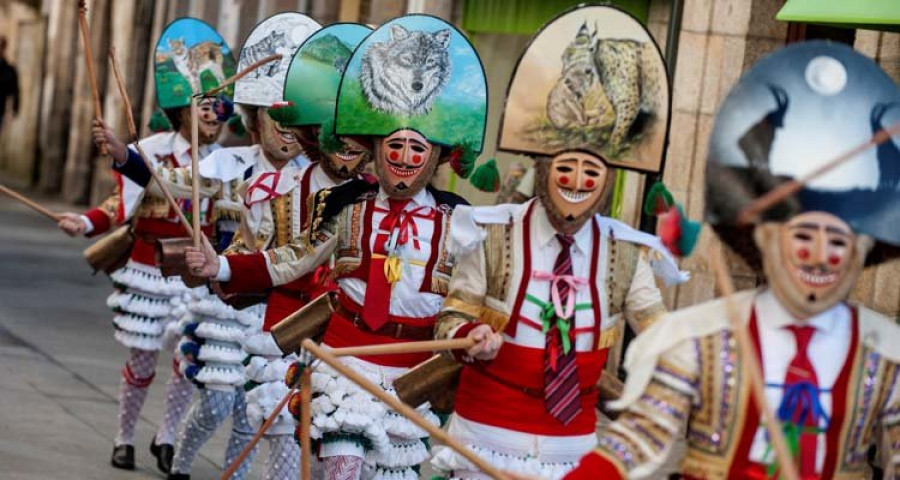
193	31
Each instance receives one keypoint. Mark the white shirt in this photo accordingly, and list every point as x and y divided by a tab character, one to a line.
544	249
828	350
406	299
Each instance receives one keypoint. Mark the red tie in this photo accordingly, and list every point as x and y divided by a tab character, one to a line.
561	386
800	372
378	289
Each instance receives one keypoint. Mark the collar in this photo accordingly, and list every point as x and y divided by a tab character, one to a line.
540	223
423	198
771	314
318	179
181	146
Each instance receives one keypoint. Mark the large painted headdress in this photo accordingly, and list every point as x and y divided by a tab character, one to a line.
416	72
314	75
282	34
191	58
591	80
788	116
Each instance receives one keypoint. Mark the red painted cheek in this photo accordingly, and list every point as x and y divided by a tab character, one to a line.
834	260
803	254
589	183
417	159
394	156
564	180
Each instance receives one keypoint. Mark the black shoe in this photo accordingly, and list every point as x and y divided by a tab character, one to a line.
178	476
123	457
163	454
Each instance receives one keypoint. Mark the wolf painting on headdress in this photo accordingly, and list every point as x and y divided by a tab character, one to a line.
405	74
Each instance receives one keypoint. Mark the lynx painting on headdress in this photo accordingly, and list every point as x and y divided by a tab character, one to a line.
274	42
607	91
190	62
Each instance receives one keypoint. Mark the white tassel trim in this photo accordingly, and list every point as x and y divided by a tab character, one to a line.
446	460
395	474
142	342
261	402
148	280
400	455
221	331
220	353
262	344
212	307
147	326
220	375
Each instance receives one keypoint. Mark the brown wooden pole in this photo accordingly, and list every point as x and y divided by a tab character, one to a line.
751	212
406	347
403	409
253	66
30	203
305	423
132	131
195	170
89	59
259	433
787	467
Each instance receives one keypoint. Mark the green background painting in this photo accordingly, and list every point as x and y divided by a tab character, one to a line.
172	88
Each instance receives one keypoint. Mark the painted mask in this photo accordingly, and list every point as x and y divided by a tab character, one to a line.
210	125
279	143
405	162
811	261
574	189
345	163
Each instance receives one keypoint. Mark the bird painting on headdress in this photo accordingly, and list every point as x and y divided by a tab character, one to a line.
757	142
888	154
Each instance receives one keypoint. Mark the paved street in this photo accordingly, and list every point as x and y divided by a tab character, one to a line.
59	363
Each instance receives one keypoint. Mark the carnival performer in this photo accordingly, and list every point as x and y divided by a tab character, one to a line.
276	209
829	367
547	287
144	300
211	353
389	237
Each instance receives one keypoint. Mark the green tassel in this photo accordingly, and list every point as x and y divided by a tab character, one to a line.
236	126
658	200
486	177
159	122
328	141
690	233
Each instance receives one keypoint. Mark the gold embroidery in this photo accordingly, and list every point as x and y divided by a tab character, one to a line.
621	265
281	216
645	317
496	319
455	303
609	337
498	259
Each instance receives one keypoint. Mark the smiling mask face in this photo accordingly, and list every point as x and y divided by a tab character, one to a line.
575	187
811	261
279	143
210	126
405	162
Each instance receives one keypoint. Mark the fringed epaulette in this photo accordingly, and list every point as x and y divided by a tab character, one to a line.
327	203
447	199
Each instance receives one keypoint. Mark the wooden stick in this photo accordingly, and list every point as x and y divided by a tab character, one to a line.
259	433
788	468
406	347
751	212
132	131
89	58
305	423
30	203
403	409
253	66
195	169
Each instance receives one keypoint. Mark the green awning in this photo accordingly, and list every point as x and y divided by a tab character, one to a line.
524	17
865	14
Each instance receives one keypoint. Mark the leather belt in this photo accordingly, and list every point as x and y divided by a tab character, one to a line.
389	329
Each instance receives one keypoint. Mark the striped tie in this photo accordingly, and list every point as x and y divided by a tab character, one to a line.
561	388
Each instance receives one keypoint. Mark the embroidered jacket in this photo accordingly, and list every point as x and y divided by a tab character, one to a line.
129	199
503	250
686	378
